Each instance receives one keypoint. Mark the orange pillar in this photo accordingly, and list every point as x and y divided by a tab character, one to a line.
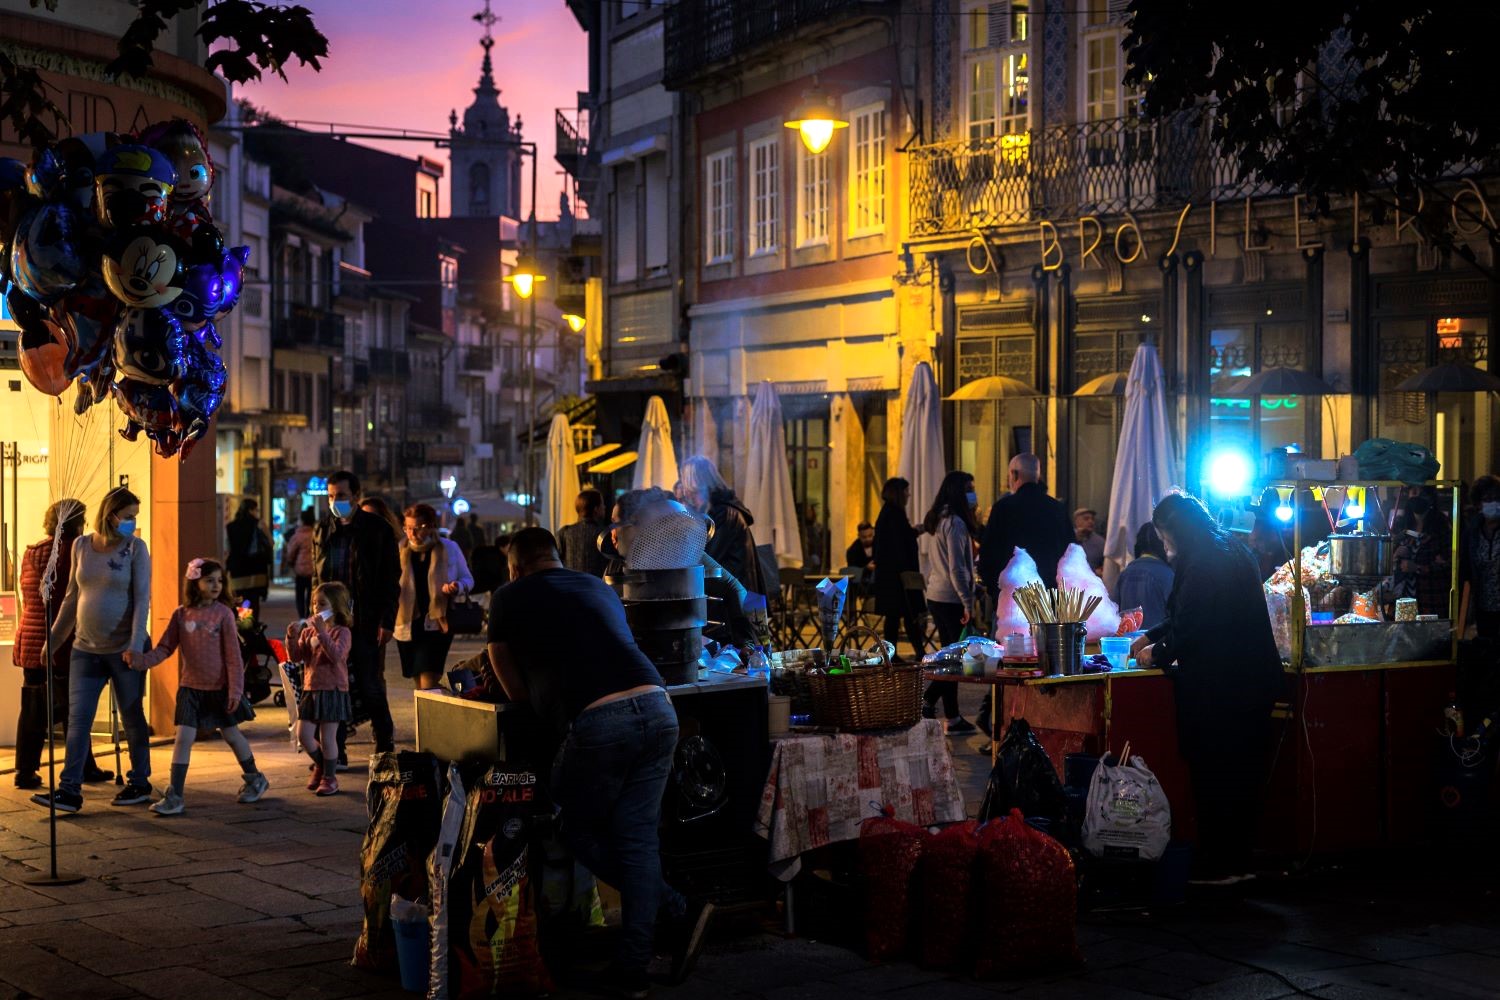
184	525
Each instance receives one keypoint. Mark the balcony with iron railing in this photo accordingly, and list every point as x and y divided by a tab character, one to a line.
708	33
308	328
1098	168
386	363
572	138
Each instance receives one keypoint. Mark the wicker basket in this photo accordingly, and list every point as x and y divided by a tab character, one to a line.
881	696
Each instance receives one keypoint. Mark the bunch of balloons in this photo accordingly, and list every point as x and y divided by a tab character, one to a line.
113	269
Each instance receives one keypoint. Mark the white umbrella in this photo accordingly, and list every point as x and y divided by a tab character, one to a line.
1145	462
657	462
705	431
921	461
768	481
560	478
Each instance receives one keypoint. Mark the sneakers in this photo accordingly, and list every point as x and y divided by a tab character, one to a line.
97	775
133	794
170	804
65	802
254	787
28	780
316	778
328	786
959	725
689	939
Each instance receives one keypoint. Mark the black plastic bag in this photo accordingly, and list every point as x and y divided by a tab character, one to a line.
1023	778
405	803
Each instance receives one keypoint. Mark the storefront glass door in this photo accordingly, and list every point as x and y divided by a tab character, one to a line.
808	455
1458	427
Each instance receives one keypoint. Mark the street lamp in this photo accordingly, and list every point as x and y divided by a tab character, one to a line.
575	322
525	276
815	119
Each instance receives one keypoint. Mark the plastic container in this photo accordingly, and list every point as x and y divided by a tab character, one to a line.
1117	649
413	943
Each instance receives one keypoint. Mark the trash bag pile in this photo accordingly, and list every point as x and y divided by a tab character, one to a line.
993	900
111	265
404	800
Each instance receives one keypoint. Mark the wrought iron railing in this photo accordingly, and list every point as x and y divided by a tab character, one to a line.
1092	168
706	32
572	135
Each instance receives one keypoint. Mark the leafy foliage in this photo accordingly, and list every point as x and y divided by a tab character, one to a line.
1329	98
245	38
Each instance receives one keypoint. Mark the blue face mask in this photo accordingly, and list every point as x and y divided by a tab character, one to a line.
341	508
973	499
126	528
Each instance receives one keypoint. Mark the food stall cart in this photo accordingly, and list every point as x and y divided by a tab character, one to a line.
1352	745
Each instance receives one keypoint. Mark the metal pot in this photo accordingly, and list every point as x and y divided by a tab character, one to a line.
1359	555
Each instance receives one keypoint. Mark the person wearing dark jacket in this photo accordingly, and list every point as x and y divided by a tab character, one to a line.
30	652
1227	677
733	546
1026	518
358	549
249	564
579	542
861	552
895	554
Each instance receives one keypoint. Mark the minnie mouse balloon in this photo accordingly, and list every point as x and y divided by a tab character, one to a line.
149	345
143	266
131	187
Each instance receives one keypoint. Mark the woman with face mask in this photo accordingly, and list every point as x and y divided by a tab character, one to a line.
1216	644
106	609
950	587
1480	568
433	572
1423	555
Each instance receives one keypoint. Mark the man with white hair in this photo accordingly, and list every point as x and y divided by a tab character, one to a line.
1025	518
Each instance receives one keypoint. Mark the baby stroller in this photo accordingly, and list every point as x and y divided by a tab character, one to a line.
259	657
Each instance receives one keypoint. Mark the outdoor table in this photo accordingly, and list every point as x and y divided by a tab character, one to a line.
821	787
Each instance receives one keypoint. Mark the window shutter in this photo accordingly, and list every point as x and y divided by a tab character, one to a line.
1119	10
998	20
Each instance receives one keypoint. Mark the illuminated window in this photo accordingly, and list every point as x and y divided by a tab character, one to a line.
812	197
719	182
867	154
981	82
765	195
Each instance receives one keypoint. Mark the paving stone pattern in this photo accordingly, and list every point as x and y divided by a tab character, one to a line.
250	901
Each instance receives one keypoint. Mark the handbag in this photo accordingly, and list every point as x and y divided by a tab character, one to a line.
465	617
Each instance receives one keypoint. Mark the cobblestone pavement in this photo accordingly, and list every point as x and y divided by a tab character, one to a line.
249	901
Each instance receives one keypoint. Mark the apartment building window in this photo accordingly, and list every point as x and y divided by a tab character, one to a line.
867	155
765	196
999	81
981	82
624	209
1104	93
448	275
812	197
657	214
719	181
1015	93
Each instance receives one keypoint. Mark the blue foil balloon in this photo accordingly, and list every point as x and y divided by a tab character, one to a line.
46	258
150	409
149	346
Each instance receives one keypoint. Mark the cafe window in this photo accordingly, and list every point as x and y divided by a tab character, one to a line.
1238	350
991	432
1458	427
1096	419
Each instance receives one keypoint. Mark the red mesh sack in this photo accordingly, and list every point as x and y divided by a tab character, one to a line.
889	851
945	887
1030	920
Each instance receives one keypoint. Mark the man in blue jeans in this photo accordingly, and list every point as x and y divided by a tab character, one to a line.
618	732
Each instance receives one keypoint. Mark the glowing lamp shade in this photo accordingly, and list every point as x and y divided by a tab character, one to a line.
1284	508
816	119
1229	473
575	322
1283	513
525	277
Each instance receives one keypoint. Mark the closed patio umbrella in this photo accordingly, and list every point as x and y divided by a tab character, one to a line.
1145	463
560	477
657	462
921	461
767	489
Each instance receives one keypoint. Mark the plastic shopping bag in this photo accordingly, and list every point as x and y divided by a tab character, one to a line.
1073	570
1020	571
1127	815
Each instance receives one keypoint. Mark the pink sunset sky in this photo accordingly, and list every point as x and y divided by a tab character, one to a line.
407	63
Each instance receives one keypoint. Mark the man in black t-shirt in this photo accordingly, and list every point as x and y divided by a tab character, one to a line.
559	640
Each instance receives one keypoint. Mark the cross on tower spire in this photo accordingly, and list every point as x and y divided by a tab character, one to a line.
488	19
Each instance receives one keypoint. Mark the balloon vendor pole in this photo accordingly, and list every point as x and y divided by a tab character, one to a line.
52	876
